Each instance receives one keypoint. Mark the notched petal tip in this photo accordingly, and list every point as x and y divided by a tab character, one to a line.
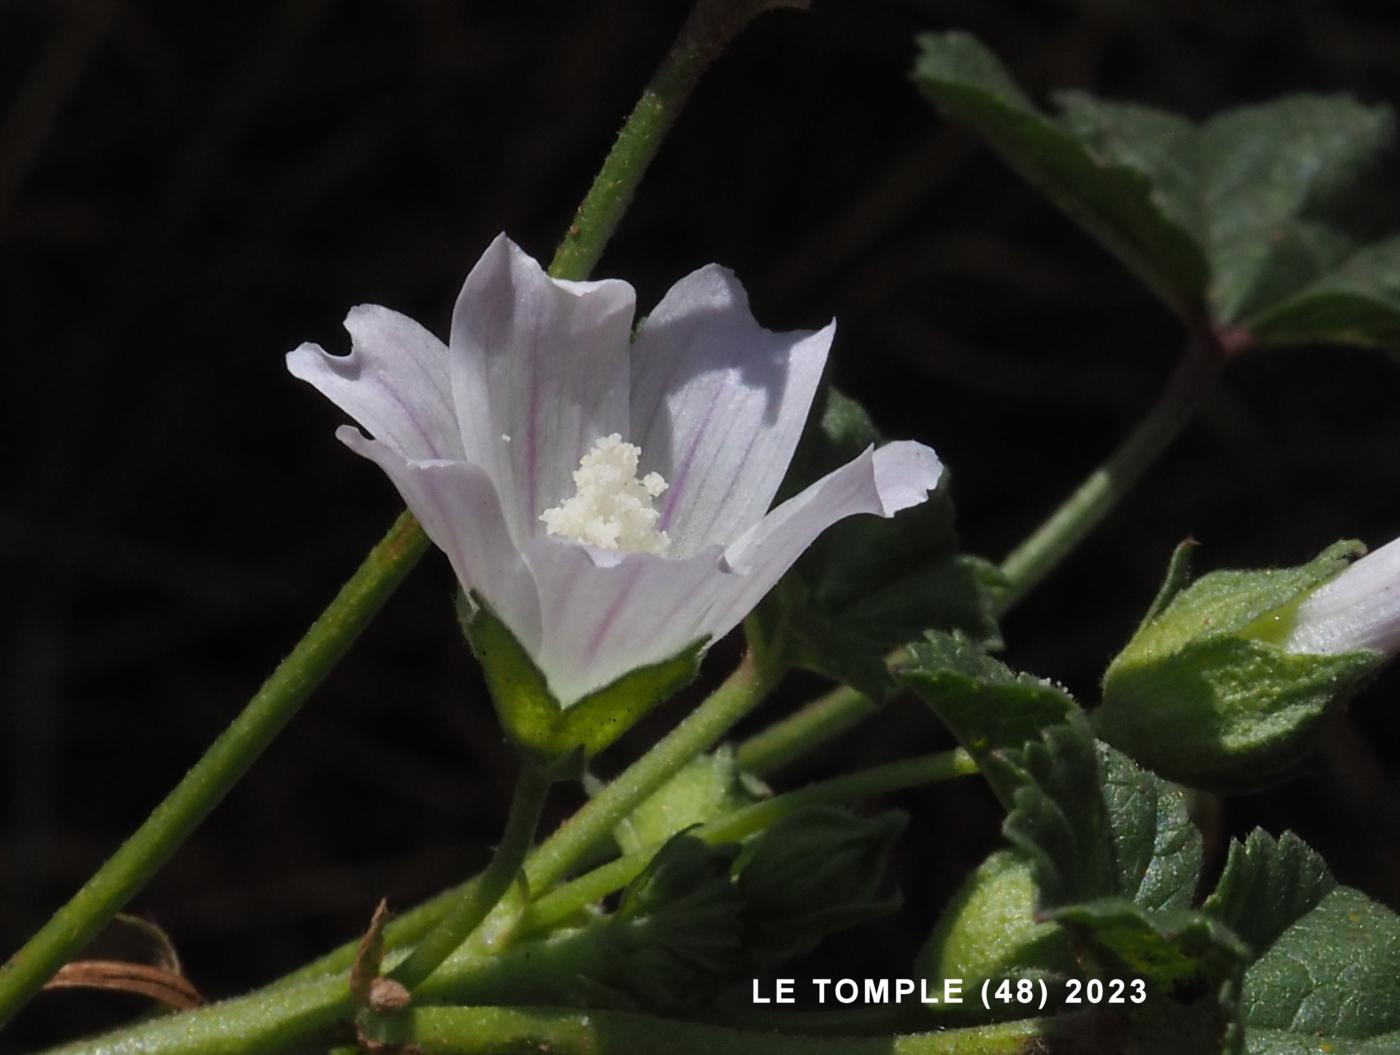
905	473
393	381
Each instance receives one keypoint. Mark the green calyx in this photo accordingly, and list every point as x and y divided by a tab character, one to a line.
1204	693
550	735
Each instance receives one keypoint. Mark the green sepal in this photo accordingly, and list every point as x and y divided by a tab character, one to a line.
988	706
1204	694
990	930
554	737
1178	577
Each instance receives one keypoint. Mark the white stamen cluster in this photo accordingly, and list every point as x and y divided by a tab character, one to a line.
611	508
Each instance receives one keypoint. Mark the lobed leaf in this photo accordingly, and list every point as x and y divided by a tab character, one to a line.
1254	221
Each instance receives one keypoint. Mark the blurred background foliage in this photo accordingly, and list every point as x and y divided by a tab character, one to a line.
187	191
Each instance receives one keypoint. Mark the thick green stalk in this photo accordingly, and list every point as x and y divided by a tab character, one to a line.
204	786
558	905
528	1031
711	25
484	892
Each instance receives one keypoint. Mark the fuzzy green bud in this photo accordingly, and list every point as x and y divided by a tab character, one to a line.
1211	692
816	872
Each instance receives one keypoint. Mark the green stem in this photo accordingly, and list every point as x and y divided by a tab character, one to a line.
1079	514
562	851
711	25
843	708
699	731
285	1020
819	722
483	893
204	786
528	1031
558	905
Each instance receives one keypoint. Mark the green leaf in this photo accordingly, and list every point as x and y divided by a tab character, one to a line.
1174	948
1255	220
555	736
1113	197
1279	185
1268	885
1116	860
1202	693
1335	973
1325	971
987	706
1095	825
871	584
1357	302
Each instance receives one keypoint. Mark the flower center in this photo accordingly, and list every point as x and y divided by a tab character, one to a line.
611	508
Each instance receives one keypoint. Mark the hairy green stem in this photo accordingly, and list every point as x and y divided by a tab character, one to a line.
561	852
291	1012
486	890
204	786
843	708
528	1031
558	905
1092	500
711	25
743	690
817	723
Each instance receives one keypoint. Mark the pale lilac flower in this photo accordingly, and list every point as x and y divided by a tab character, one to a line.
1358	610
607	497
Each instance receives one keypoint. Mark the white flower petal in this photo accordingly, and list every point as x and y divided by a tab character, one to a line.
1359	609
457	505
718	404
608	612
539	371
394	382
883	482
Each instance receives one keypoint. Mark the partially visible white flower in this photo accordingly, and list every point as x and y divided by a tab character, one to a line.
607	496
1358	610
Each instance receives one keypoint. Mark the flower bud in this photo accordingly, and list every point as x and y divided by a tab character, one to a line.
676	937
989	930
1228	681
816	872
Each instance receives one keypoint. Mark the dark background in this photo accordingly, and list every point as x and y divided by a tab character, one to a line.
187	191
